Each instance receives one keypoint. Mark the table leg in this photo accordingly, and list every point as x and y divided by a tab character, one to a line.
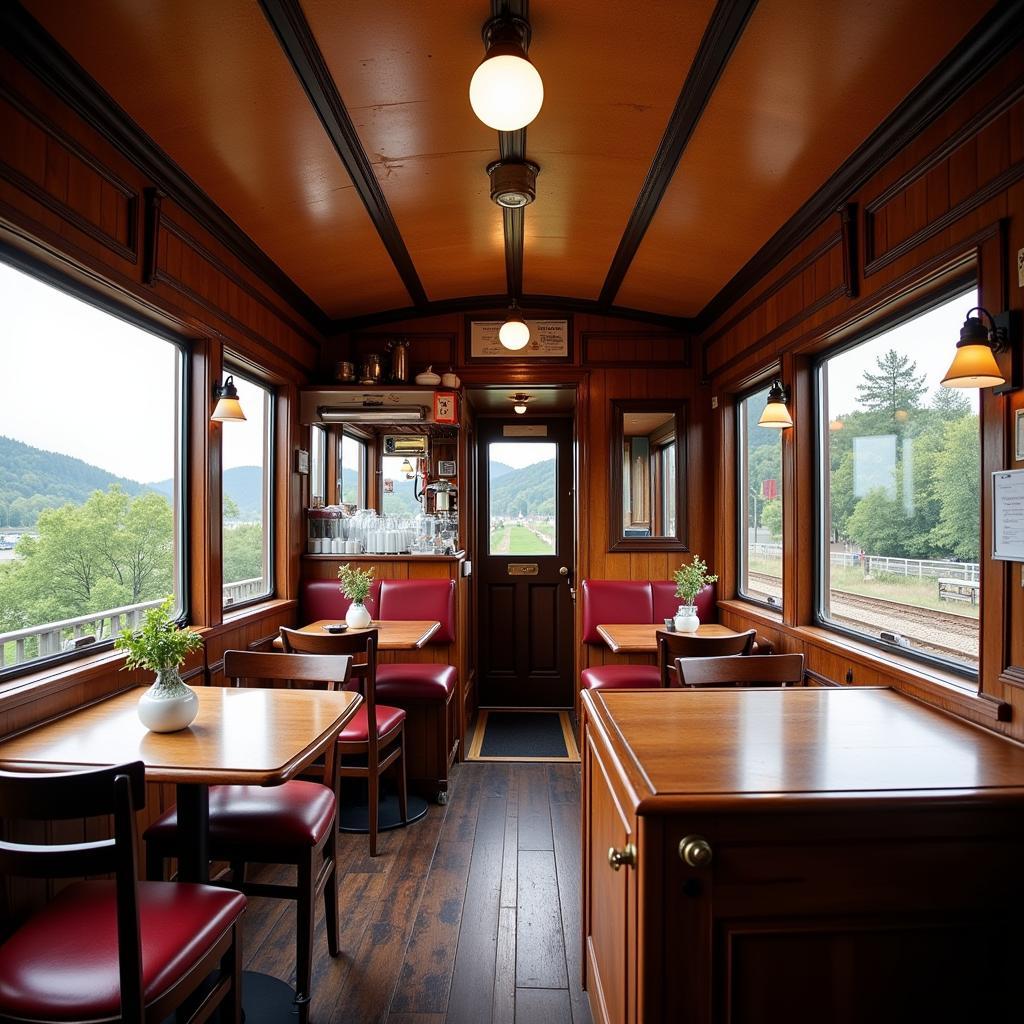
193	832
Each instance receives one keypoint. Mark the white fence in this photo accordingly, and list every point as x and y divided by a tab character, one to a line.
23	645
919	568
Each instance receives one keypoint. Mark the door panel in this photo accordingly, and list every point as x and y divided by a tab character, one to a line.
526	531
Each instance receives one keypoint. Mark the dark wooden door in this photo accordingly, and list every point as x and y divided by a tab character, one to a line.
525	563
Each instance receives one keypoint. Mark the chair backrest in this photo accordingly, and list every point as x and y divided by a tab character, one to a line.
614	601
117	791
360	648
754	670
672	646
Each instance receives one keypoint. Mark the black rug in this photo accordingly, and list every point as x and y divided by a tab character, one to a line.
523	736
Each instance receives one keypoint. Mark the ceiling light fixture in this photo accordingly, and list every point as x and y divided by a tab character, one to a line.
506	91
520	400
974	365
228	409
514	333
513	182
775	414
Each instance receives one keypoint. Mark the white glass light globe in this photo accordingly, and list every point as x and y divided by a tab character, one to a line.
519	409
514	334
506	92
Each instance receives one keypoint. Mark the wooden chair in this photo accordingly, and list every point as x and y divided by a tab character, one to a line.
294	824
754	670
672	646
376	733
110	950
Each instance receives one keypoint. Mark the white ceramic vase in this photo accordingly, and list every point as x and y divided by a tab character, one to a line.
686	618
169	704
357	616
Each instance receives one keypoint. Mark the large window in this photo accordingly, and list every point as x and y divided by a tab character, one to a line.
900	487
759	502
352	471
91	495
247	474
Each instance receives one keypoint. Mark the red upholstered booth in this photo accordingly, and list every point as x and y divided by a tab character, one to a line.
425	688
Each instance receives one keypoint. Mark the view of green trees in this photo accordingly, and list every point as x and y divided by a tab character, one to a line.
528	492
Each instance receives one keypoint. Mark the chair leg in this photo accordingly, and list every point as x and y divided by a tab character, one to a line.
231	966
238	872
373	808
154	863
403	796
305	900
331	890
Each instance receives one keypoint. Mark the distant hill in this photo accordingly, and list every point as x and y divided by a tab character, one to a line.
529	491
499	469
32	479
242	484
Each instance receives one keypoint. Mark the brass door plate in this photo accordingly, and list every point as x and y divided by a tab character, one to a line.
522	569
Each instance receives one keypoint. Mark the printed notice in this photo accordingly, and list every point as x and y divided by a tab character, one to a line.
549	339
1008	516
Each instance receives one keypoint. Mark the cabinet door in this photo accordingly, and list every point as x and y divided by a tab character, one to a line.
611	918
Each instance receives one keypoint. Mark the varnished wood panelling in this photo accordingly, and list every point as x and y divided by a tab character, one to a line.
608	349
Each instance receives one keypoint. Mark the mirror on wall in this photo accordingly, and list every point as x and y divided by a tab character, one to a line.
648	473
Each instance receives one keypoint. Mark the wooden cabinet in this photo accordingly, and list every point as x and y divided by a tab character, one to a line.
853	856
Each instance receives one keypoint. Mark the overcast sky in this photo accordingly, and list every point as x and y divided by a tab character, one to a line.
76	380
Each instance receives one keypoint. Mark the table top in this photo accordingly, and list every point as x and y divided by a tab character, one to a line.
696	748
392	634
641	638
252	736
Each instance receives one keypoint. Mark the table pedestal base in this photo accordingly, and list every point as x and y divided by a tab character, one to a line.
353	811
267	1000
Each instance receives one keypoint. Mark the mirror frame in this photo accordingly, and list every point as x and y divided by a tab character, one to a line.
616	540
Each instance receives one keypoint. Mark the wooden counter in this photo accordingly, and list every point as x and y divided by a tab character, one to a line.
853	856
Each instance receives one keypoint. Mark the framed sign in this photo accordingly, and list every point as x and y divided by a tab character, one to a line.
1018	433
550	341
446	408
1008	515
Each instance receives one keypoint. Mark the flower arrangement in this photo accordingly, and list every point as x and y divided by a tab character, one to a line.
355	583
692	579
160	644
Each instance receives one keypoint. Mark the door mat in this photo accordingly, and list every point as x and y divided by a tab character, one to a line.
523	736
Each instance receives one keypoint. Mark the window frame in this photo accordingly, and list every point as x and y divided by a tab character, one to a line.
237	369
742	553
906	312
363	477
318	466
53	277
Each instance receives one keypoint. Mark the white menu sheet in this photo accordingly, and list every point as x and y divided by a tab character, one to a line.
1008	515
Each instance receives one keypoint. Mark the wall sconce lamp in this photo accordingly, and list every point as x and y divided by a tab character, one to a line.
506	91
974	365
775	414
520	400
514	333
228	408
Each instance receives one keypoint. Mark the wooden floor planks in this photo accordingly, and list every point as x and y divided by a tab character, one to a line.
470	916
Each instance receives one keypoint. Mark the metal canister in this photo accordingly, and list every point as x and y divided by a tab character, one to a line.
399	361
345	372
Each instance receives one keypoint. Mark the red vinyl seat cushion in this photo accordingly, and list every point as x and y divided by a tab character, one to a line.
323	599
357	730
421	599
620	677
614	601
62	963
415	681
295	814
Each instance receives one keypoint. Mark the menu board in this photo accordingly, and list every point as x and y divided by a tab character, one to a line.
549	339
1008	515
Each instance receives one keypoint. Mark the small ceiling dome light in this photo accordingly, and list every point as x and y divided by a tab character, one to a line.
513	182
506	91
228	408
520	399
775	414
974	365
513	333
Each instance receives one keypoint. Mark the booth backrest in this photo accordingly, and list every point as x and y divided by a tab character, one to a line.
323	599
634	601
421	599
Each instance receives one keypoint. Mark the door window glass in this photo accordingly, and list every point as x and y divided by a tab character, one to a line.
521	491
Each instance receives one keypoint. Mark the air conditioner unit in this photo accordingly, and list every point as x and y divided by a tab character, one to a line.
415	445
343	405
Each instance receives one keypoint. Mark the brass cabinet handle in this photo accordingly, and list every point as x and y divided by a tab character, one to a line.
695	851
627	856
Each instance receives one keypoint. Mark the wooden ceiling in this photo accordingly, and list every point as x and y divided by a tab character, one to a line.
676	139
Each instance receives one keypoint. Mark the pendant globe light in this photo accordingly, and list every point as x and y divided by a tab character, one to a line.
506	91
514	333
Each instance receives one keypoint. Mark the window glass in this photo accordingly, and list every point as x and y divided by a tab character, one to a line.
91	495
317	464
759	501
521	492
352	471
246	481
400	485
901	490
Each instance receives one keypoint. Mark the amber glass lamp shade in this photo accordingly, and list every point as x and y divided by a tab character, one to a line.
228	408
974	365
775	414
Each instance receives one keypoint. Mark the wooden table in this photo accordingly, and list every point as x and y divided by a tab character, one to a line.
257	737
392	634
641	638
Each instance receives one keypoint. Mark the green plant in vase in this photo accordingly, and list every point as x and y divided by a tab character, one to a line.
161	646
355	585
690	580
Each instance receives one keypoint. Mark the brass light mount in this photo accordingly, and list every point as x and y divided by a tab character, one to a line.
506	34
513	182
